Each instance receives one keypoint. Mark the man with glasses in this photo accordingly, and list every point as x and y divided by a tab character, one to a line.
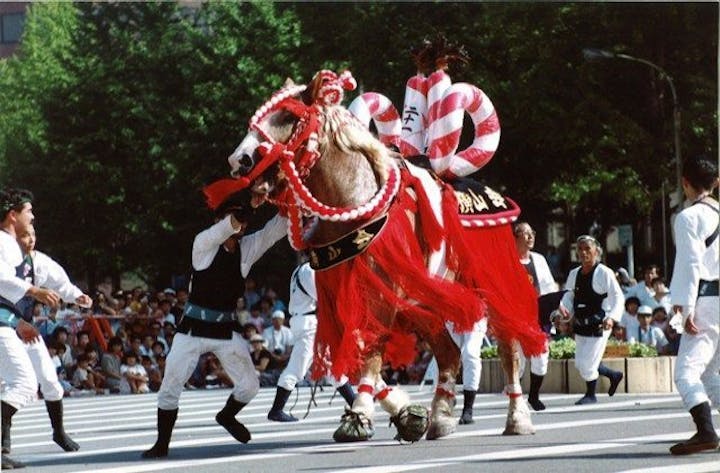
595	302
542	280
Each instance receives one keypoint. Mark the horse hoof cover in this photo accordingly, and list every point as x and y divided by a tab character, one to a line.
412	422
354	427
518	419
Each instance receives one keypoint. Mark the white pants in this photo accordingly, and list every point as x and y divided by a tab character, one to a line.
470	344
45	370
233	354
303	328
588	354
16	370
538	364
698	359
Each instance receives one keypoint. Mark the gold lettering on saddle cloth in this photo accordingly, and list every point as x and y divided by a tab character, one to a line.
497	199
363	239
470	203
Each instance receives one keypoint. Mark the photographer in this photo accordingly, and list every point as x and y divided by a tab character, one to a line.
595	302
279	340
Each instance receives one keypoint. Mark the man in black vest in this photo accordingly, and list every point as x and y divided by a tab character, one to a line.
595	301
221	258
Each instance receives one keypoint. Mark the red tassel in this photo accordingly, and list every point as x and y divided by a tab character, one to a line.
217	192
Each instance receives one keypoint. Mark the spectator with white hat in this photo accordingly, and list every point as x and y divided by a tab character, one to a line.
647	333
279	340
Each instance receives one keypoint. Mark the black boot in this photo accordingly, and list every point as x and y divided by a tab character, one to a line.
614	376
165	423
468	401
534	394
276	411
589	397
55	411
705	439
346	391
226	418
7	412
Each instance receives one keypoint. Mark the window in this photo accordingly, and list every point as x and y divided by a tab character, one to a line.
11	27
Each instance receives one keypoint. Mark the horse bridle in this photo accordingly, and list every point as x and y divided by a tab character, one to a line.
300	153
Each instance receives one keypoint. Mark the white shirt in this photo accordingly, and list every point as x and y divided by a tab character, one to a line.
12	287
603	281
652	336
546	282
278	339
302	302
48	273
693	260
252	246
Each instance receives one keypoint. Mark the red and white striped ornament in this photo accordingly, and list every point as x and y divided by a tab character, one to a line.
378	108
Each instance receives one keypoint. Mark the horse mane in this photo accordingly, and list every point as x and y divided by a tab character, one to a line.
343	133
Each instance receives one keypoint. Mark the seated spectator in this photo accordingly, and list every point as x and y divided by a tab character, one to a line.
276	304
214	375
146	346
662	294
136	346
84	378
153	373
57	363
261	359
647	333
135	374
256	318
167	316
279	340
60	336
157	350
618	333
241	313
168	332
625	281
160	362
416	371
82	343
660	318
249	329
629	318
111	363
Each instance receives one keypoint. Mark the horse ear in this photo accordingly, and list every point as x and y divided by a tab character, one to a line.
288	82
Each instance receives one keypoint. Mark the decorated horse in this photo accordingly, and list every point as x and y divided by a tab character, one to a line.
398	251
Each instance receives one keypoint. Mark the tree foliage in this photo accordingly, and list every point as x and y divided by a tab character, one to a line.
116	114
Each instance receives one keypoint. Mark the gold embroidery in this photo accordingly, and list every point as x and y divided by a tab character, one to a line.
478	202
464	202
333	253
497	199
314	260
363	239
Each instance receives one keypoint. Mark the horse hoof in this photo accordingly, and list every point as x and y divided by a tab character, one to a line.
441	427
354	427
518	420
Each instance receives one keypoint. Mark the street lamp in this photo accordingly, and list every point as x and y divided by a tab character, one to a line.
592	54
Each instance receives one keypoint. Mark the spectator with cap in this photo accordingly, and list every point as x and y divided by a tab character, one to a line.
646	333
279	340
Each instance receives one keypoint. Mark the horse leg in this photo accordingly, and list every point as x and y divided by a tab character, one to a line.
356	424
518	419
447	354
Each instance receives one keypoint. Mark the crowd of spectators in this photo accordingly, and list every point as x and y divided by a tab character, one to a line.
143	327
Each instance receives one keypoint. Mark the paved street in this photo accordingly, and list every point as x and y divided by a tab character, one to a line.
628	433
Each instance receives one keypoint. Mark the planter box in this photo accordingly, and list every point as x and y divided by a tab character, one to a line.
492	377
649	375
617	351
576	385
642	375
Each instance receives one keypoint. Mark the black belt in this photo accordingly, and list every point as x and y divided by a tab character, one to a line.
708	288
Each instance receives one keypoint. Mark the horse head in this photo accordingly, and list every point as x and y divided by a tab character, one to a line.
305	150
